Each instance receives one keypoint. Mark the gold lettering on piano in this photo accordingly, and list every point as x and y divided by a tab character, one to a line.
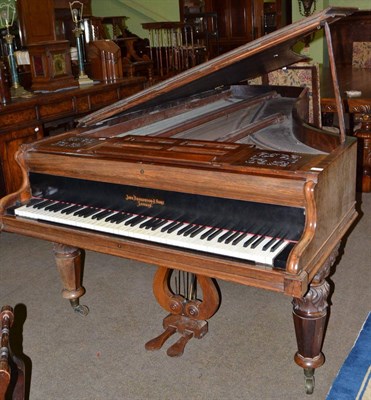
144	202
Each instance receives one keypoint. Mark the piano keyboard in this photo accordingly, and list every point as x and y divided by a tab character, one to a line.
259	247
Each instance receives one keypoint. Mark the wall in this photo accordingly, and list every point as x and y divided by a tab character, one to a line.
317	50
138	11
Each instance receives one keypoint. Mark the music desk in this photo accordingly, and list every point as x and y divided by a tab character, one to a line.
358	108
24	120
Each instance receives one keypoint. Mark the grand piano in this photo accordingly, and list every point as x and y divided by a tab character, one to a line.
208	178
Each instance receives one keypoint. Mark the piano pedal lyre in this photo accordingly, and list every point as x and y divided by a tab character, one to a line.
187	314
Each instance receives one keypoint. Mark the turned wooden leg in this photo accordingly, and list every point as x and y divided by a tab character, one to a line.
69	264
12	369
310	317
6	321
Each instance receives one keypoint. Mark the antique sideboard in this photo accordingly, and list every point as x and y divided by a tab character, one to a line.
24	120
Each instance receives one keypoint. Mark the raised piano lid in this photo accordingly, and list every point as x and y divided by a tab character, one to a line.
258	57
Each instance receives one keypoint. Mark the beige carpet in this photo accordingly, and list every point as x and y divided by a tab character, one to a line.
247	354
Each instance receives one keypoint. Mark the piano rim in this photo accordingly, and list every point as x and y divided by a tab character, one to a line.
245	273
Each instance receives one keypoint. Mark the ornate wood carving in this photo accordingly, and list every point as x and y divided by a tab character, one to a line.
310	315
272	159
12	368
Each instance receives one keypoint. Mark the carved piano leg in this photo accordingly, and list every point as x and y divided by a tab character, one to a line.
310	316
187	314
68	260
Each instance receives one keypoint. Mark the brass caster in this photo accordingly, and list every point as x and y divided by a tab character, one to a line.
79	309
309	380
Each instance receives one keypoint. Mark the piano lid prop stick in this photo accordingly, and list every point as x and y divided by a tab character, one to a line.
339	103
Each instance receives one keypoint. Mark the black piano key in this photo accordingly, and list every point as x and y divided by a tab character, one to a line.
71	209
33	202
275	246
183	230
56	207
258	241
272	241
225	236
90	212
148	224
191	230
239	238
213	235
43	204
231	238
81	212
175	227
102	214
155	222
121	217
159	224
262	235
61	207
243	233
208	233
50	206
118	217
135	221
169	226
198	231
251	240
111	217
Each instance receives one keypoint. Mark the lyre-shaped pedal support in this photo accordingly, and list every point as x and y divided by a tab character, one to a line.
187	316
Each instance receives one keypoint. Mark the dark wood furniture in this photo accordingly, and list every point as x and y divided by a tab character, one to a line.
239	22
25	120
344	35
50	58
12	369
354	28
105	57
358	108
201	154
134	57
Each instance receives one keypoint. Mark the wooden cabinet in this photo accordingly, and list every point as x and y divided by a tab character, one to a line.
50	59
36	21
239	22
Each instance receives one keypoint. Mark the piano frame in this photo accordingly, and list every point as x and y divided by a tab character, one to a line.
322	184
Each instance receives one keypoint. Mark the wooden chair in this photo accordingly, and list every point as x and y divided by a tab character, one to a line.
361	55
302	74
133	62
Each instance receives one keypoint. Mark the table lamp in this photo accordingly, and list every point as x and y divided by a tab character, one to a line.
76	8
7	13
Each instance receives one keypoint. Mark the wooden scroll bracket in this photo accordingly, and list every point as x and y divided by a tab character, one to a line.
187	316
310	317
69	264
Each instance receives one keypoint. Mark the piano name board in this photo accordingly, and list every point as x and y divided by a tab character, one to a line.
144	202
